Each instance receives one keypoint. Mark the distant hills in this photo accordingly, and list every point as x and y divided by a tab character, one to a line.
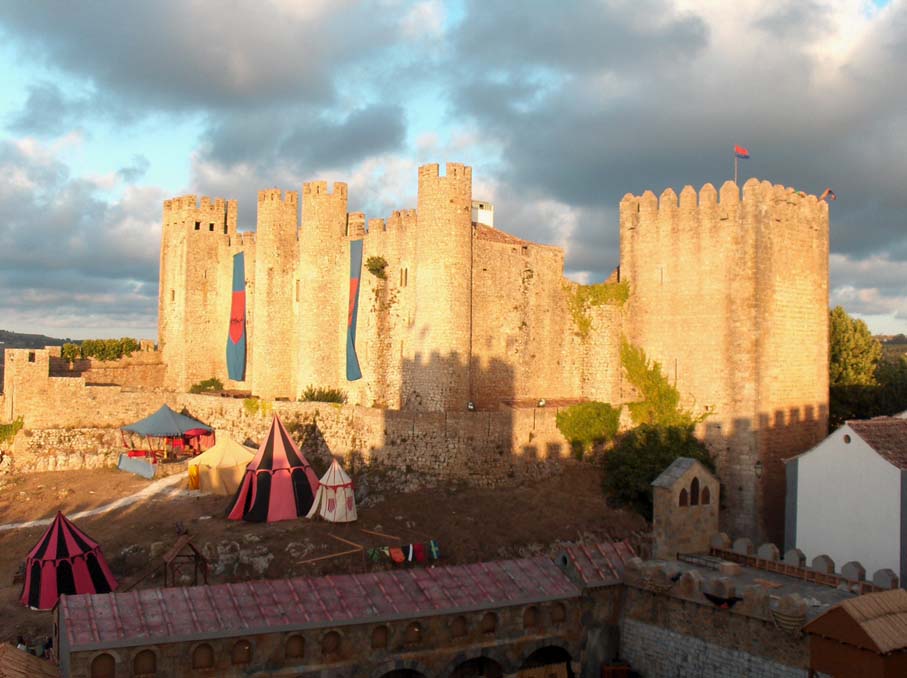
18	340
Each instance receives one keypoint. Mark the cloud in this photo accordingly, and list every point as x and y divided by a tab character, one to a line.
66	252
172	55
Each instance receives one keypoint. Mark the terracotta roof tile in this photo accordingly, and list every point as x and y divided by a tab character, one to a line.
598	564
886	435
881	616
130	618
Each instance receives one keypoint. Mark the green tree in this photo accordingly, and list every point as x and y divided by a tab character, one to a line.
854	352
588	424
640	455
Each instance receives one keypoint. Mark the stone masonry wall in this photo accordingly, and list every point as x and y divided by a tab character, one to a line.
654	651
706	635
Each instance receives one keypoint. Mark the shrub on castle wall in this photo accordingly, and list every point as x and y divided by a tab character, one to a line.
102	349
377	266
583	297
640	455
319	394
207	386
588	424
9	431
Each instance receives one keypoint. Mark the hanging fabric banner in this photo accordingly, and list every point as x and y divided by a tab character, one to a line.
236	339
352	361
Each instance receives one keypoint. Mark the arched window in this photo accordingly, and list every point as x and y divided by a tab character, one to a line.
103	666
694	492
706	496
242	652
558	613
684	497
295	647
413	635
531	617
203	657
458	627
145	663
489	623
330	645
379	638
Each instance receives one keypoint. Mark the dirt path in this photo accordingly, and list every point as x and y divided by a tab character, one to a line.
170	486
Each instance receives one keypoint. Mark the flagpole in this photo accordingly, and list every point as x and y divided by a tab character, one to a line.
735	168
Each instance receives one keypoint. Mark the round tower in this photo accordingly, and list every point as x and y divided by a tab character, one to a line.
273	356
437	369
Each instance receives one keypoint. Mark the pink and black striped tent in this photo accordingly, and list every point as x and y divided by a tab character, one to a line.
64	561
279	483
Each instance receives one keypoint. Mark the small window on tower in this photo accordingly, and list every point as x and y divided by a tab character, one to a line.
31	356
211	227
172	295
405	277
198	225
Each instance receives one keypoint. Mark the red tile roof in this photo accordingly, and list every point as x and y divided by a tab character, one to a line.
599	564
886	435
177	614
875	621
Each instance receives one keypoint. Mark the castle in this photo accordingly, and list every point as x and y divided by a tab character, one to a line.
728	293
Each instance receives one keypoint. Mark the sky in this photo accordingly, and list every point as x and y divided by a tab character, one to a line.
108	109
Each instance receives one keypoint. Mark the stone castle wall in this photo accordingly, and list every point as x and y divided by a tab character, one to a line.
730	295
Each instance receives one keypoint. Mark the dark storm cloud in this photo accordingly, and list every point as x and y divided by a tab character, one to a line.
593	103
305	139
174	55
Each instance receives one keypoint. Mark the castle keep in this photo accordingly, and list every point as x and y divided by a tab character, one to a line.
728	292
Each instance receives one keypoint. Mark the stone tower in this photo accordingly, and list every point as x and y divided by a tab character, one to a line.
730	295
436	376
323	275
275	312
193	305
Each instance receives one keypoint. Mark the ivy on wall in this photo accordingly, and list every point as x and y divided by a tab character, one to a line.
660	403
583	297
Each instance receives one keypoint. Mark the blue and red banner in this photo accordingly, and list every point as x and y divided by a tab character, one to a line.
352	360
741	152
236	338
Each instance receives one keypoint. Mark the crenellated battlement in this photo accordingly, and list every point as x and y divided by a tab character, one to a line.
779	200
321	188
275	195
401	220
355	225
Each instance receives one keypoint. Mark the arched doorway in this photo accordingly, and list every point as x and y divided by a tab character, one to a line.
551	656
480	667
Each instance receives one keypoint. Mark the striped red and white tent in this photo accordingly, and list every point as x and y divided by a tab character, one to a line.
279	484
335	500
64	561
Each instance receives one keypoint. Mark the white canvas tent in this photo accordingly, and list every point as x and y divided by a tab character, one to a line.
221	469
335	500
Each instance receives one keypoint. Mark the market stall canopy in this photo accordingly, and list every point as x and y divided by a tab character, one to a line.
165	423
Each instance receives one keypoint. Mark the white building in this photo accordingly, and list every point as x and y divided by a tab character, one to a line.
483	213
847	496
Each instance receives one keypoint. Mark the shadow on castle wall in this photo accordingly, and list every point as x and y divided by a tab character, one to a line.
750	457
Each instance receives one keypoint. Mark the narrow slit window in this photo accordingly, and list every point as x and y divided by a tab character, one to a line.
198	225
